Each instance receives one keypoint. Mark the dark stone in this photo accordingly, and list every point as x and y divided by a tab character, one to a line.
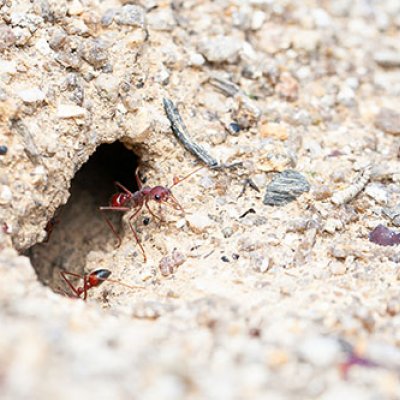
285	187
234	128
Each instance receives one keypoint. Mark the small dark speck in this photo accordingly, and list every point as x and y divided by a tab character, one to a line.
234	127
255	332
235	256
3	150
146	221
225	259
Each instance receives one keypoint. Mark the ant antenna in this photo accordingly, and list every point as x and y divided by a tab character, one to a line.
177	180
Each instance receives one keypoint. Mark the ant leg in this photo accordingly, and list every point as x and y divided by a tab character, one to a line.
122	187
175	203
111	226
131	219
68	282
85	286
138	181
152	213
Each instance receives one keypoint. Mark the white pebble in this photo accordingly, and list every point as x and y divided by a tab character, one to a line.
332	225
258	19
199	222
8	67
70	111
180	223
31	95
6	195
338	268
320	351
196	60
346	96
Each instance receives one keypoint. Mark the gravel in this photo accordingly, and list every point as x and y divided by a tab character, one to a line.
237	300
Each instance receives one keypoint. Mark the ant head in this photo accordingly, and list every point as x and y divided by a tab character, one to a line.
160	194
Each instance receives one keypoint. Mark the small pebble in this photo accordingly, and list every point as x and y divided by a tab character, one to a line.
199	222
288	87
234	128
57	38
320	351
168	264
108	17
146	221
322	192
6	195
273	130
388	121
384	236
7	37
217	137
70	111
346	96
130	15
31	95
3	150
332	225
393	214
257	20
8	67
227	232
285	187
108	86
337	268
387	58
377	192
221	49
94	52
196	60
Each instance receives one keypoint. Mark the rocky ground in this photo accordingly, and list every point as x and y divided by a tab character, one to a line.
253	292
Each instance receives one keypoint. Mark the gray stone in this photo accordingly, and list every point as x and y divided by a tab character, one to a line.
130	15
220	49
285	187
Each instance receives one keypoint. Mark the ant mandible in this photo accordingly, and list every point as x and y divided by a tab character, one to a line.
126	201
91	280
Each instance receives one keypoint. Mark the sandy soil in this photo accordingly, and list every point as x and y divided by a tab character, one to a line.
238	299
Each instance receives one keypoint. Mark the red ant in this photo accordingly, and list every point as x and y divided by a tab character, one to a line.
126	201
91	280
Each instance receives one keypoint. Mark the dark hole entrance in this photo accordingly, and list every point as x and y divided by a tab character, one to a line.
81	228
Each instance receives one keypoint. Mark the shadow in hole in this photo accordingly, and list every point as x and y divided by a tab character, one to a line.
81	228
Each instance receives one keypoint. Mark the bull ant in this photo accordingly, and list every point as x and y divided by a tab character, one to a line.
125	200
91	280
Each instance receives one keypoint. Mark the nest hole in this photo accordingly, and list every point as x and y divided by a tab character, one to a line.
79	227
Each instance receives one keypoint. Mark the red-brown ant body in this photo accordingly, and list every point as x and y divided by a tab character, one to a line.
126	201
91	280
